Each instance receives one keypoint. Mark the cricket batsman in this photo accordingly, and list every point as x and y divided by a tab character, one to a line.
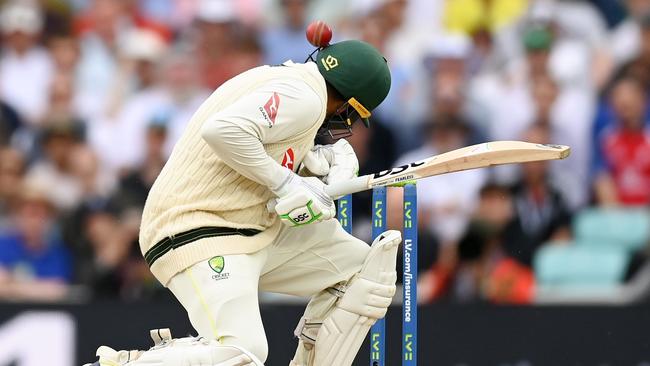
209	237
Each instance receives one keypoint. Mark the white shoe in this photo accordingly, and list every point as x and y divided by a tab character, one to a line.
110	357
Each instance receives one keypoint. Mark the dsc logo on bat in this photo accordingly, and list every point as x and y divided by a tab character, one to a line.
397	170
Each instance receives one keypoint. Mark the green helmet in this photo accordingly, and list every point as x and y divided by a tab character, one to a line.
358	72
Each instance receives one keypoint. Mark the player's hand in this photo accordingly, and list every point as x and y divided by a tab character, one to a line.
303	201
333	163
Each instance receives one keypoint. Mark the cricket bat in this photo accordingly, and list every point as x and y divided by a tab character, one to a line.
466	158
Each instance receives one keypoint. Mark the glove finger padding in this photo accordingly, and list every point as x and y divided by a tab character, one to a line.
332	163
315	163
344	165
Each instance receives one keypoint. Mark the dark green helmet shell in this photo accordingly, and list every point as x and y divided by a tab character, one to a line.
356	70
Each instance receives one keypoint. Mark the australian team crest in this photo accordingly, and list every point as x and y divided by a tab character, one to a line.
218	264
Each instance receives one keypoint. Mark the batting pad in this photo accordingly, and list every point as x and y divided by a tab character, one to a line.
366	299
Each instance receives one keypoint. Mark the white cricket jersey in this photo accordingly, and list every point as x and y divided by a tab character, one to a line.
235	148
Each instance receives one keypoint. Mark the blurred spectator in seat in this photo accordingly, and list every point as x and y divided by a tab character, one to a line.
34	263
137	80
447	202
626	38
248	53
134	186
450	71
57	141
479	249
287	40
514	108
64	50
61	99
12	171
99	30
94	182
25	67
567	114
445	83
448	63
58	18
582	54
103	230
113	266
622	163
216	24
637	68
510	282
64	101
181	93
541	214
173	95
384	25
405	42
531	94
484	80
140	52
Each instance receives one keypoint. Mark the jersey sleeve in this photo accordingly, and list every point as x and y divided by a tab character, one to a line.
274	112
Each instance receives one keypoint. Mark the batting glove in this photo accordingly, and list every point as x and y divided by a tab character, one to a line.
303	201
333	163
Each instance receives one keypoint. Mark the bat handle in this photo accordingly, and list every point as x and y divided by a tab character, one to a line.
335	190
354	185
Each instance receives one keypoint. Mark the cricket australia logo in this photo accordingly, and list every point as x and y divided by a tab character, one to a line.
217	264
270	109
288	159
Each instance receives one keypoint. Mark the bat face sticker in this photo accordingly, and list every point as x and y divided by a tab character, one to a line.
397	170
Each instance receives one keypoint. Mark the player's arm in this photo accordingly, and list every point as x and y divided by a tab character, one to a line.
238	132
274	112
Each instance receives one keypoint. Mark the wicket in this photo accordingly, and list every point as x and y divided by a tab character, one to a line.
410	271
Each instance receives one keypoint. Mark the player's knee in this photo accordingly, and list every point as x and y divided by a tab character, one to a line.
371	292
356	254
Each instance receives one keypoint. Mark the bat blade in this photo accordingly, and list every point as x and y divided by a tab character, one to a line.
466	158
471	157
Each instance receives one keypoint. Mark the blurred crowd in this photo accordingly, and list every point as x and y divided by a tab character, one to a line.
94	94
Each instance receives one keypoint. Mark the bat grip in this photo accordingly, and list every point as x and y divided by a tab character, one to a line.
340	189
335	190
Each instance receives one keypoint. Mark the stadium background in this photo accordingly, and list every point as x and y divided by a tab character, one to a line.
530	265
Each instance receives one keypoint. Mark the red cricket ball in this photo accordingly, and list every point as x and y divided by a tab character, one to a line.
319	33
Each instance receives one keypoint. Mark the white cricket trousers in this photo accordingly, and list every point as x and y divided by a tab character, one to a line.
221	296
